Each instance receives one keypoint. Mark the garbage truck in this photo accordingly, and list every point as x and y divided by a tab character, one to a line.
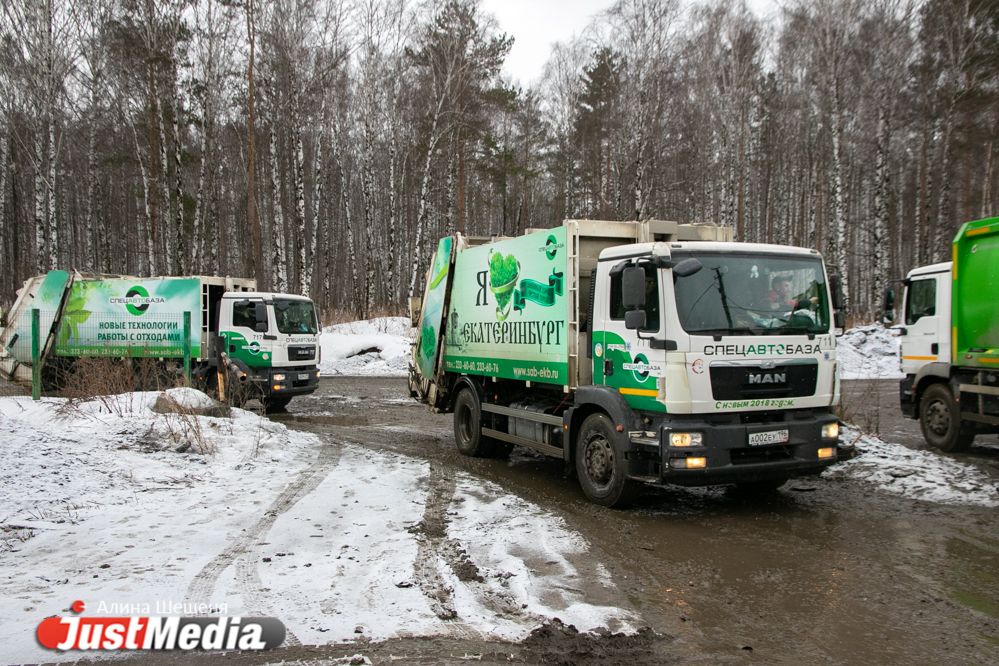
638	352
950	340
240	343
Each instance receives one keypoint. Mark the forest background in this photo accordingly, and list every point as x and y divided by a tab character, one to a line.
323	146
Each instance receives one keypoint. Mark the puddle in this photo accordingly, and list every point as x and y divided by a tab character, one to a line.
317	419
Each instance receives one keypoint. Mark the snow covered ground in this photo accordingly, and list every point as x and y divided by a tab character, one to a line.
868	352
373	347
107	502
921	475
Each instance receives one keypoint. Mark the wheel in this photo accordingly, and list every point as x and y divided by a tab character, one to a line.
274	403
760	487
468	426
940	419
601	466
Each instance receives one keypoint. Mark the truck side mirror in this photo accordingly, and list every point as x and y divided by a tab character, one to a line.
839	320
260	314
836	286
633	287
889	300
687	267
634	320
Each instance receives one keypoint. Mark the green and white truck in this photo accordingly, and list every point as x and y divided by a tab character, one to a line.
240	342
950	340
635	351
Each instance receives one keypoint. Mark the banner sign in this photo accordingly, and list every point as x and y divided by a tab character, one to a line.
137	318
508	309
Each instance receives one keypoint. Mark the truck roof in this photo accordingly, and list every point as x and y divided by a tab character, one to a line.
932	268
665	249
264	294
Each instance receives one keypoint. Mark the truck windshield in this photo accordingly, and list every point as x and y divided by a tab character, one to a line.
752	294
295	316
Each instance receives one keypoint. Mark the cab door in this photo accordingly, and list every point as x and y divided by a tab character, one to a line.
623	359
248	336
922	342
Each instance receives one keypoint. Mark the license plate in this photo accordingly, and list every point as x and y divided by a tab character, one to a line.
768	437
303	376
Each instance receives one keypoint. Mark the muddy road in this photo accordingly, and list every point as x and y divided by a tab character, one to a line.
822	571
826	570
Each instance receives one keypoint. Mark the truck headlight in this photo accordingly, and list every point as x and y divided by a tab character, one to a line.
279	378
685	439
830	431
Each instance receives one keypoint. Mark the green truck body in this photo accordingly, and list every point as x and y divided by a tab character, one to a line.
975	296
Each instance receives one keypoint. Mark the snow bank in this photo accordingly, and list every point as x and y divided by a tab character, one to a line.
385	343
922	475
868	352
60	457
189	398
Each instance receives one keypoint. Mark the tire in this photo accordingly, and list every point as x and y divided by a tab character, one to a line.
760	487
600	464
940	419
468	426
276	403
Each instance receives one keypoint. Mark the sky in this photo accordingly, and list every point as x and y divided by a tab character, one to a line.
536	24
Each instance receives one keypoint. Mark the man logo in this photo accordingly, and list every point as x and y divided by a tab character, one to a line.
769	378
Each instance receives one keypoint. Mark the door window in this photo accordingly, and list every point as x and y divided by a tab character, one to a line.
921	301
244	315
651	307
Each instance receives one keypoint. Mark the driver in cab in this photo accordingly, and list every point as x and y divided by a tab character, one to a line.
779	298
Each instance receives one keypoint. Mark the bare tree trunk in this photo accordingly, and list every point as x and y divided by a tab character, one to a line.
421	217
279	267
182	262
881	196
53	220
317	195
91	195
196	255
369	222
940	240
299	175
355	286
251	198
39	186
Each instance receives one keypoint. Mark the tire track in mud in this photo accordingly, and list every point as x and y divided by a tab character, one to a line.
434	547
240	550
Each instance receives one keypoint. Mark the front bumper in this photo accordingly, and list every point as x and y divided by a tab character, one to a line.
730	459
296	380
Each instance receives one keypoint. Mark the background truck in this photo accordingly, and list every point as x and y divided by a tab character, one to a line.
635	351
256	345
950	340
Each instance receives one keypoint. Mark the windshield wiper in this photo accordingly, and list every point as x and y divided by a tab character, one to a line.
783	330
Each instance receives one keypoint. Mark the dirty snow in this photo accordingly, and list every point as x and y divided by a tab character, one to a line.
97	504
868	352
374	347
921	475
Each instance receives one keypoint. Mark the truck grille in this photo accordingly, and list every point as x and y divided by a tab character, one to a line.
750	382
301	352
761	454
